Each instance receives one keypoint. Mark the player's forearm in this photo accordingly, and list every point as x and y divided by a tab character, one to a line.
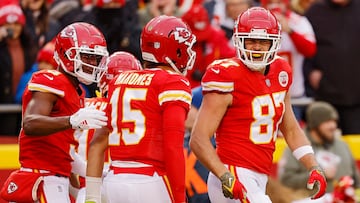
309	161
38	125
295	136
95	162
206	154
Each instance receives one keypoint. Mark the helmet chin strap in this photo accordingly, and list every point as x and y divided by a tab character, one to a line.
174	66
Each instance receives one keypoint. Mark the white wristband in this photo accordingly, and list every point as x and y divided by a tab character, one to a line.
302	151
93	189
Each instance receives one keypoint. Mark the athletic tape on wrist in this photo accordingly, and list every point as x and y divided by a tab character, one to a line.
302	151
93	189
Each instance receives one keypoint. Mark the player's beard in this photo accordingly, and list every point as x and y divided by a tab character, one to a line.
327	140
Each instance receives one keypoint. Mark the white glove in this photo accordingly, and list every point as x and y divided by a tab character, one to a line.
88	118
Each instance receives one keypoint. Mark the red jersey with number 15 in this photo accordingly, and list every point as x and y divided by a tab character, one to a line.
246	136
136	103
51	152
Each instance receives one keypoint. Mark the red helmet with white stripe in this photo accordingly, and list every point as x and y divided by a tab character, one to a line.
257	23
79	49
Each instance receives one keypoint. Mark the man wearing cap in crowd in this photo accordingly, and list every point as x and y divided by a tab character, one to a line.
44	61
333	154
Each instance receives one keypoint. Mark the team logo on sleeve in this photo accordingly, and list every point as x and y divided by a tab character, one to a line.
12	187
283	78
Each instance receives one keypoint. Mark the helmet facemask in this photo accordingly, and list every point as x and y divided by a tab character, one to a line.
191	57
79	49
246	55
85	72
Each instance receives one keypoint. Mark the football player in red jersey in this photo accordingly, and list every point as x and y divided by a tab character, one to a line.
147	111
52	106
116	63
245	103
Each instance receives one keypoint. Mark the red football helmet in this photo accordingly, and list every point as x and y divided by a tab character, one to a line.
168	40
77	42
256	23
117	63
198	19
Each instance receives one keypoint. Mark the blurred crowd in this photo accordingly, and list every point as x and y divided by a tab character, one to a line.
320	48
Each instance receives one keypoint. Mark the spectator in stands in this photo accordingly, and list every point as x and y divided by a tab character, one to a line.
153	8
211	42
334	71
16	54
301	6
227	11
16	57
297	42
120	24
44	61
42	28
66	12
333	154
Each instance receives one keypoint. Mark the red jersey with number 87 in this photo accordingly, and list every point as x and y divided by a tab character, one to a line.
247	133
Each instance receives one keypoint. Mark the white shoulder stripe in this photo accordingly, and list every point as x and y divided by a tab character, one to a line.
218	86
44	88
175	95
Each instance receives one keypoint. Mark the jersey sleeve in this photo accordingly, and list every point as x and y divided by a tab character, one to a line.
177	90
51	81
218	77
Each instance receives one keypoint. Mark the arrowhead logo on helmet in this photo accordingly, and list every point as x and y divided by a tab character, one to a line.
182	34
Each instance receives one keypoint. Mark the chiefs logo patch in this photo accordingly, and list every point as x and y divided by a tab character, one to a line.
283	79
182	34
12	187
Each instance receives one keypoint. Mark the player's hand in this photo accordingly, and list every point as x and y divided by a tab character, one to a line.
88	118
232	188
317	177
